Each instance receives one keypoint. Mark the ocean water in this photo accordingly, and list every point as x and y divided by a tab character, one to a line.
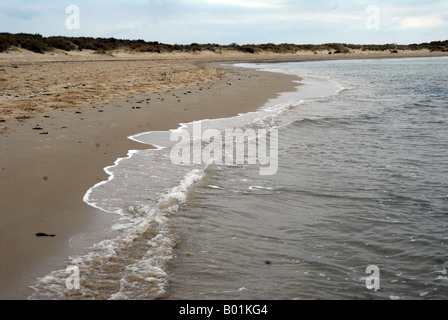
361	181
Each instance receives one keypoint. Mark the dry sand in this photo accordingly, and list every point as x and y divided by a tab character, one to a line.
66	116
32	83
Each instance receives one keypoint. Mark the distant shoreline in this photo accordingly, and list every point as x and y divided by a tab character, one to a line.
38	43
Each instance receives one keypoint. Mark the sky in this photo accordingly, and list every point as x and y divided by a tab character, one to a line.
233	21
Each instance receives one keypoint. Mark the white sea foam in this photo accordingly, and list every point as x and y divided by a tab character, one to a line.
136	257
95	204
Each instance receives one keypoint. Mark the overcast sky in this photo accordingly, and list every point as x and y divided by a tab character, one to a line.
234	21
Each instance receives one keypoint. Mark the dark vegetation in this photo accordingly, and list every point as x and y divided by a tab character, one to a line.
40	44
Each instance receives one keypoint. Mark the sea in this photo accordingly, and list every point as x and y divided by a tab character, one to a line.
355	205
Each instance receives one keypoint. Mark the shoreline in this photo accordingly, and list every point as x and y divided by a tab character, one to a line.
42	186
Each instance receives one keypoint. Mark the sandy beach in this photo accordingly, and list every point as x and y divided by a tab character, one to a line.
66	116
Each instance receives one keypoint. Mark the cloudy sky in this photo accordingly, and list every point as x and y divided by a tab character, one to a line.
233	21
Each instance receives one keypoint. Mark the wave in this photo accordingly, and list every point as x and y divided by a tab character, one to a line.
131	265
